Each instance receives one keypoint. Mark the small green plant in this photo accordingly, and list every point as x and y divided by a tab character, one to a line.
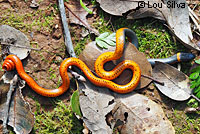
75	105
59	121
80	45
195	79
105	40
192	103
85	8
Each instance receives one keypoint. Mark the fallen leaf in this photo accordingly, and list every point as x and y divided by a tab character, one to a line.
96	103
139	115
15	37
91	52
20	116
116	7
78	15
174	13
79	11
176	84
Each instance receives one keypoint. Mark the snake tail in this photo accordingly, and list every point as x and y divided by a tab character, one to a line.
174	59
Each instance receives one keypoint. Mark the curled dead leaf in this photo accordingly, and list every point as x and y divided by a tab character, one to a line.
176	84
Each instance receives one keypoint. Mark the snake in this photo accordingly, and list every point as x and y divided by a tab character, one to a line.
105	77
104	80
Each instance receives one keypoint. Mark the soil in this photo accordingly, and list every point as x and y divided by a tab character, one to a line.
53	51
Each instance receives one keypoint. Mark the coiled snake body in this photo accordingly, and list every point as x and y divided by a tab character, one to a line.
13	61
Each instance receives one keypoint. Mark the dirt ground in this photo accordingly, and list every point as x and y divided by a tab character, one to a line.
43	65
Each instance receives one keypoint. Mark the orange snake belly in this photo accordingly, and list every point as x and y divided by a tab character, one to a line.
13	61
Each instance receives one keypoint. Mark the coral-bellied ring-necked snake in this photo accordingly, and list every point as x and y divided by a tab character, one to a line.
12	61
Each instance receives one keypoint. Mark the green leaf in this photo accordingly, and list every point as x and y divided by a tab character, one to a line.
196	69
198	80
197	61
198	95
194	75
105	40
103	35
194	84
102	44
197	90
109	42
75	103
112	36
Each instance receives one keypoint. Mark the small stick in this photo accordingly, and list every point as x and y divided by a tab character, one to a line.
197	33
67	36
193	13
195	22
151	78
193	96
193	16
6	110
19	46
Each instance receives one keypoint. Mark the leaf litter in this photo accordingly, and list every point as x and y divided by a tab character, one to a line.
174	13
108	101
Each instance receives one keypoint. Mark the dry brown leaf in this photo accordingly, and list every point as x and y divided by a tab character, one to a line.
79	11
177	18
20	116
95	104
116	7
176	84
140	115
8	34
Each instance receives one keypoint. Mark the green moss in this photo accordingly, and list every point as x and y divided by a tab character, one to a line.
185	123
37	19
154	39
101	24
80	44
60	121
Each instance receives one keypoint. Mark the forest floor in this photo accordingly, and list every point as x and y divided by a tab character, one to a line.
43	27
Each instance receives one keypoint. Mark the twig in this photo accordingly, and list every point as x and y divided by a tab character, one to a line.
192	95
68	41
197	33
77	76
88	27
192	12
195	22
67	36
151	78
6	110
193	16
19	46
